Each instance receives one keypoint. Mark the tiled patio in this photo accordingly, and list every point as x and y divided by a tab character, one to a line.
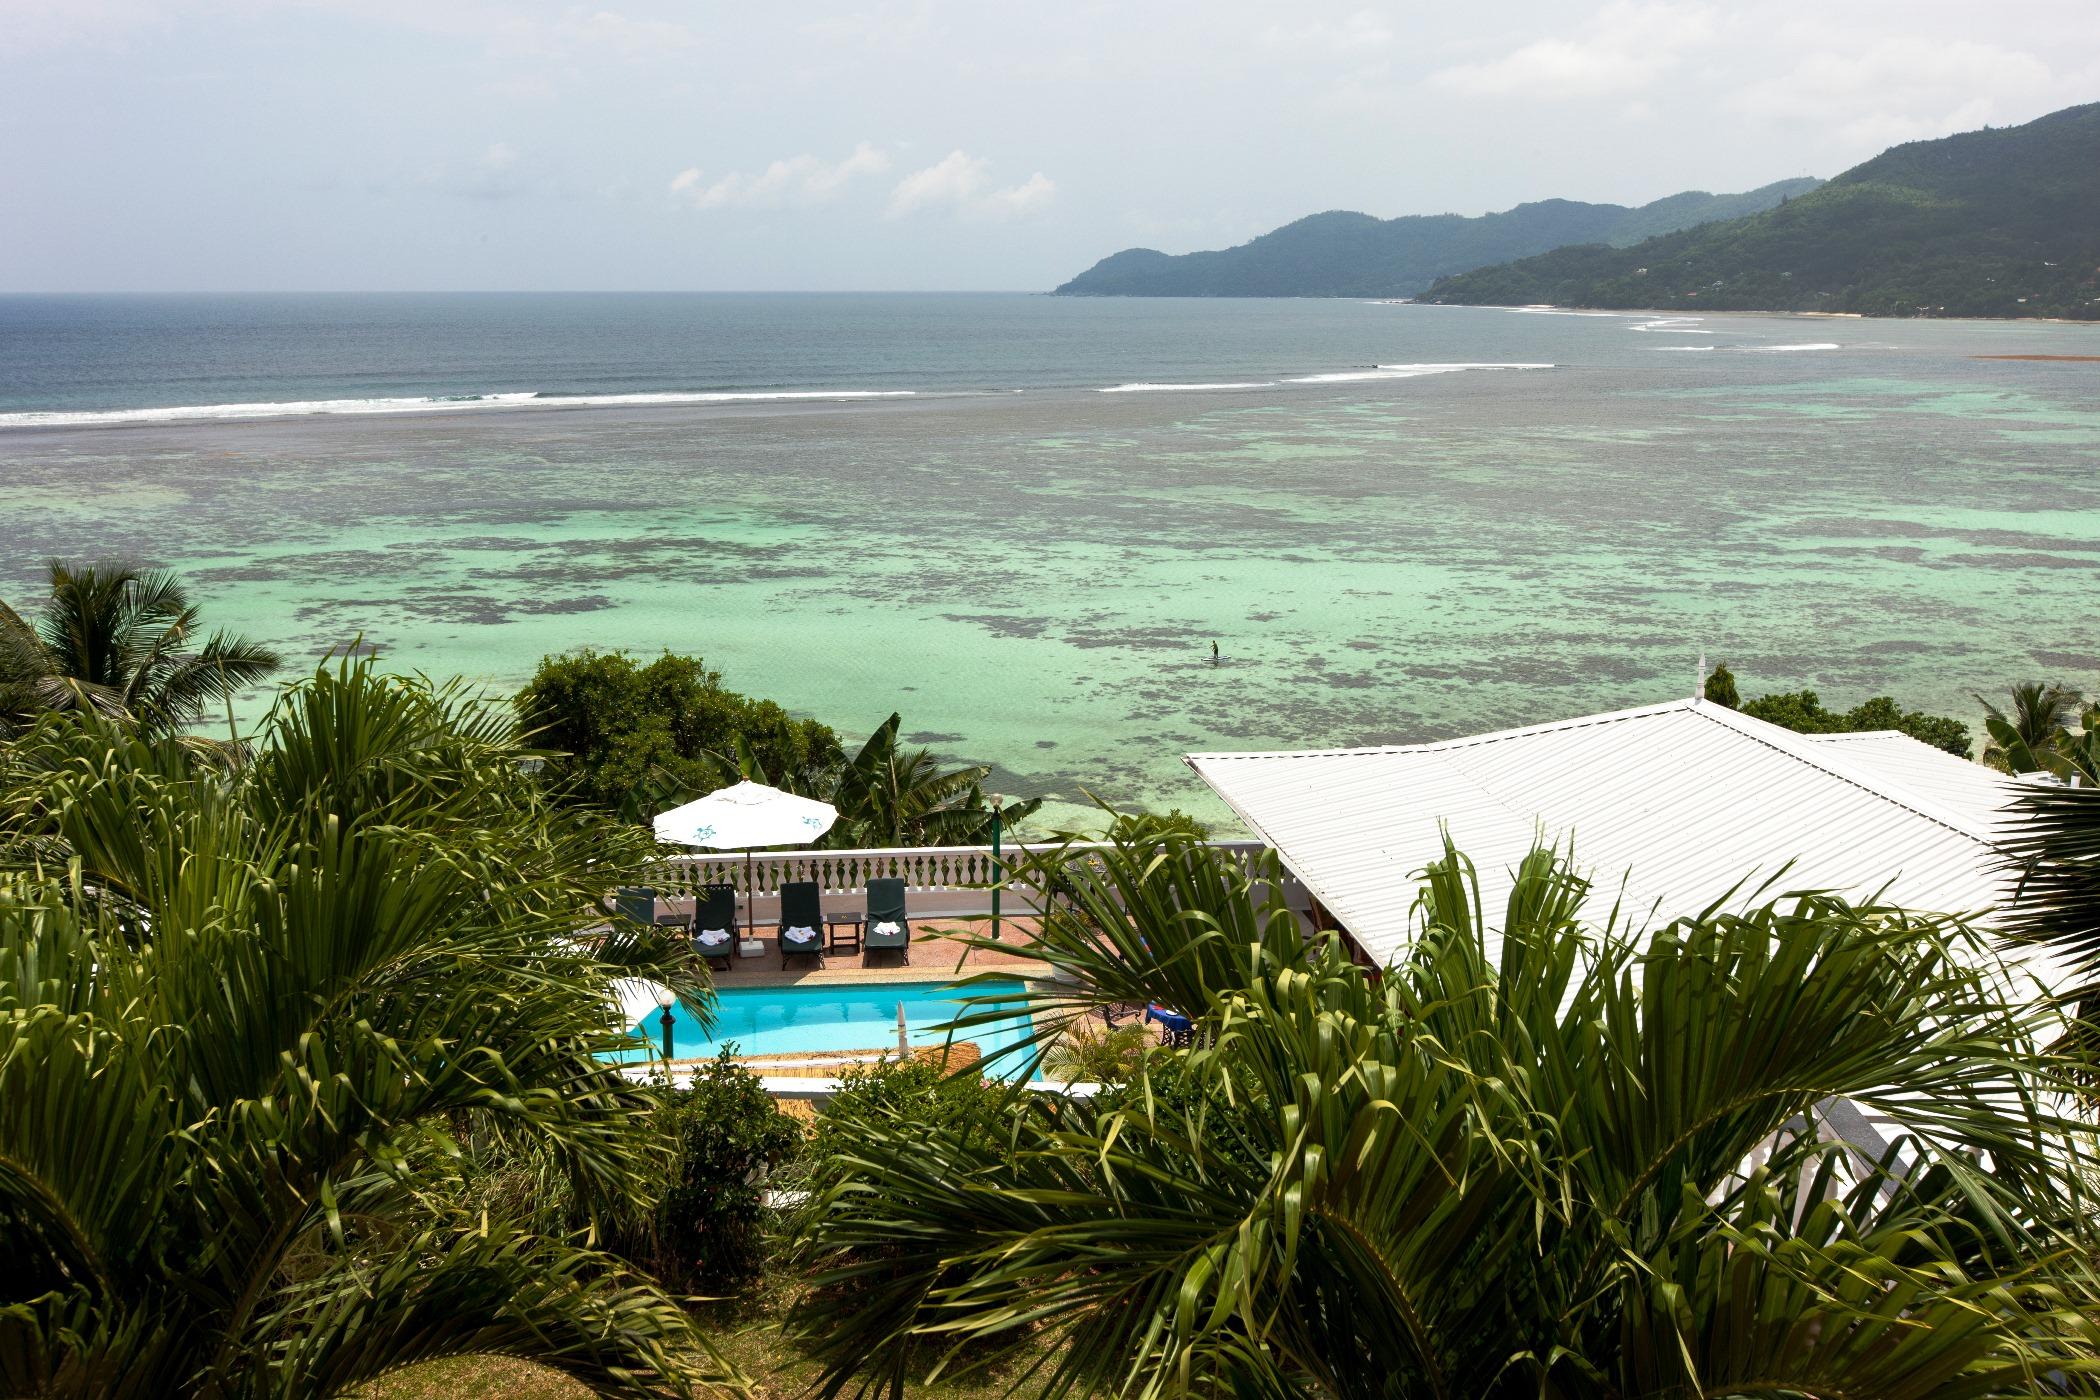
935	952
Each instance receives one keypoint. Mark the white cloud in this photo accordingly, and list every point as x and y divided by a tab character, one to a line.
570	33
1360	30
803	179
1900	89
1625	47
1025	198
609	29
499	172
964	182
888	25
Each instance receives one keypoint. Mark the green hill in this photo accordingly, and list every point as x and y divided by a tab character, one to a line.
1341	254
1988	223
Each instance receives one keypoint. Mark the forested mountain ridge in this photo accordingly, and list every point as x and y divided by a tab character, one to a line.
1999	222
1346	254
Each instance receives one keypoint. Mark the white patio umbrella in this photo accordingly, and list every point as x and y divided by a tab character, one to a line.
743	818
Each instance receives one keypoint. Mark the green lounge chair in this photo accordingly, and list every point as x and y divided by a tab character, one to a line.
889	926
714	924
801	921
636	904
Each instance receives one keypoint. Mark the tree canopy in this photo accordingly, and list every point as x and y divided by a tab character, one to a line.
1802	711
635	737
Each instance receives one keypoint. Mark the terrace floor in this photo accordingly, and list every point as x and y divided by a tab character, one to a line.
935	953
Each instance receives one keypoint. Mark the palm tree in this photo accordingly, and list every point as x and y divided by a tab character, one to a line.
121	641
1534	1160
2054	849
248	1016
2041	713
890	796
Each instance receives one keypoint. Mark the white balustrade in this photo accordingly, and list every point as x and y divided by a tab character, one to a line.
954	876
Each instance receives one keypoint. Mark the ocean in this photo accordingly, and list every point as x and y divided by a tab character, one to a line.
1021	521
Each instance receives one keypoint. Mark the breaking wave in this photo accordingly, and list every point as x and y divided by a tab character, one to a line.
1183	388
1350	376
435	403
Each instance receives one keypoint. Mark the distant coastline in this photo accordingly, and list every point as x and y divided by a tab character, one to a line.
2001	224
1545	308
1343	253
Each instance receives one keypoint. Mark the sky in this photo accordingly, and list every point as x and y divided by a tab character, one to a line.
191	145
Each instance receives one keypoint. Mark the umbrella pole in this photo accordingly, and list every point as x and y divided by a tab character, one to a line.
998	870
750	899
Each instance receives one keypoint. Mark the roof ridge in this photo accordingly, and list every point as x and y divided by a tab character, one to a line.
1462	741
1804	749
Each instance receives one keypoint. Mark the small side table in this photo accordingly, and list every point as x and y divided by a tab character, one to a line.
843	932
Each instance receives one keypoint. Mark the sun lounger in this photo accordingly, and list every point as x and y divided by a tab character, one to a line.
714	924
636	904
801	920
889	927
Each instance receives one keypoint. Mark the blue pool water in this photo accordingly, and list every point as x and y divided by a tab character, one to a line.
802	1019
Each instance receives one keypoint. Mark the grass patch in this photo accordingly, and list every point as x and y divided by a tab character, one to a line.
746	1331
477	1378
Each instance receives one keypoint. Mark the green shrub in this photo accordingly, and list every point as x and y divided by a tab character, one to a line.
1107	1057
900	1092
1155	826
1720	688
1802	711
1937	730
709	1230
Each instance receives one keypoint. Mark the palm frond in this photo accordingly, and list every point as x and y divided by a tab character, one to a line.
243	1016
119	639
1534	1156
2054	852
493	1291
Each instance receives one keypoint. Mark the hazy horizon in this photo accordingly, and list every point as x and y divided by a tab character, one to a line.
384	146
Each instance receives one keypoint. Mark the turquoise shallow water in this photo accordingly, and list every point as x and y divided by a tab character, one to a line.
1034	578
807	1019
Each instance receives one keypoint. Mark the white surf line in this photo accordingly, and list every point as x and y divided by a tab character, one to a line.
454	403
1143	388
1548	309
1402	372
1375	372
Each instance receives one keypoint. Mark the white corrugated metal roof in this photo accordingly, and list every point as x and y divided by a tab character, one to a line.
1681	802
1933	775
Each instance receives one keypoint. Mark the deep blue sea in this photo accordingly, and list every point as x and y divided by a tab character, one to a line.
1022	520
99	355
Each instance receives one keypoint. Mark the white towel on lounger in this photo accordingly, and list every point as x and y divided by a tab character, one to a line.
712	936
798	933
886	927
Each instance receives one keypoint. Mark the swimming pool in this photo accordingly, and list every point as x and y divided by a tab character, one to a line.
851	1016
